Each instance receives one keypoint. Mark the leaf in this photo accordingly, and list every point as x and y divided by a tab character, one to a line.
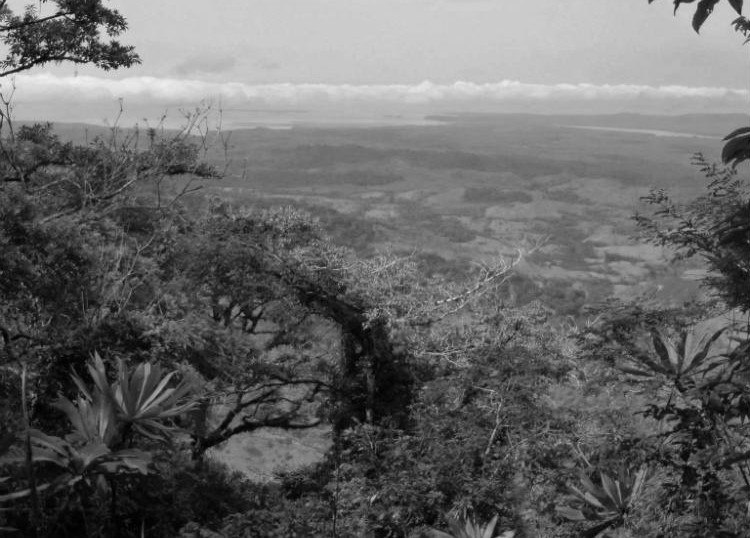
54	444
737	150
489	530
737	5
570	513
678	2
90	453
99	374
702	12
664	349
704	345
455	526
129	460
612	489
22	493
641	478
634	371
737	132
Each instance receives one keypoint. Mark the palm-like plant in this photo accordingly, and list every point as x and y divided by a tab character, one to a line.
141	400
101	418
470	529
608	502
92	417
677	358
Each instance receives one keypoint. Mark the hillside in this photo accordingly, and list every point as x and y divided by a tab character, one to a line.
473	187
469	189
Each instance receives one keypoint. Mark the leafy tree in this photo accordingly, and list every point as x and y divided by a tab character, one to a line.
81	32
274	281
714	227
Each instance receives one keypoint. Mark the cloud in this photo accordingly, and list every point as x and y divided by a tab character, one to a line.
44	88
205	65
267	65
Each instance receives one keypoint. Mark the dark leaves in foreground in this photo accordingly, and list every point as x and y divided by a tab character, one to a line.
737	147
704	9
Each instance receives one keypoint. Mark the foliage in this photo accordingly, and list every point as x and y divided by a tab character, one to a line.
71	31
446	396
479	437
141	400
704	8
98	449
469	529
691	375
687	355
713	226
202	496
78	463
280	517
608	503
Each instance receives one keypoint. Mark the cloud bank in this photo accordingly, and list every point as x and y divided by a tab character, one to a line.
39	91
169	90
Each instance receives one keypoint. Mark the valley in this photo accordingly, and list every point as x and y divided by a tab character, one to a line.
472	188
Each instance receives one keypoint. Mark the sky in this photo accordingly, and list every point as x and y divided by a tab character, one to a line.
373	58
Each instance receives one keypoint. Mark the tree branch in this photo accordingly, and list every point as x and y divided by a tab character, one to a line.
32	22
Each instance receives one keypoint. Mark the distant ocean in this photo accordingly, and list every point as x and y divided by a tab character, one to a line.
654	132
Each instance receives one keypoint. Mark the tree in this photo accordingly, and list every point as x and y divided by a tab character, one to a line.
78	31
714	227
273	284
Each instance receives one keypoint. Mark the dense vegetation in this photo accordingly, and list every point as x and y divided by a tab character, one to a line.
142	327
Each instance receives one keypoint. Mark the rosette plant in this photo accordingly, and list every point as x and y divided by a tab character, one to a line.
140	401
689	353
103	419
608	502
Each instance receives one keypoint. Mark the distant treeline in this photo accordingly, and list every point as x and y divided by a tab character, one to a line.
314	156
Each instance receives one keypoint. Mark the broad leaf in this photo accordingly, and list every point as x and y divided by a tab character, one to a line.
702	12
570	513
737	132
22	493
737	149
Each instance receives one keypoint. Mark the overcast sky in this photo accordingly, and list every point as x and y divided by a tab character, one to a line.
519	54
409	41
